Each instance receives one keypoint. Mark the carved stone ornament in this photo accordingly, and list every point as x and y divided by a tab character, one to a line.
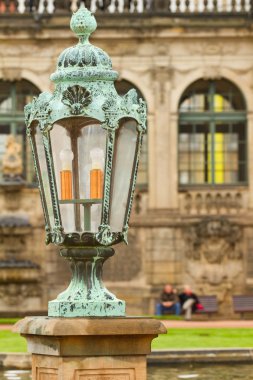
12	159
214	239
77	98
214	255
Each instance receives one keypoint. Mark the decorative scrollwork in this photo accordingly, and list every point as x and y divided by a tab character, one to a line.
129	101
39	108
104	235
142	111
58	236
125	233
110	108
77	98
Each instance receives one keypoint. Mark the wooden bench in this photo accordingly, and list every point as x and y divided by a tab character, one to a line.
243	304
210	305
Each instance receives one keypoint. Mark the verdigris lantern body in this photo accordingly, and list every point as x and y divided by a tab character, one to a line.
86	142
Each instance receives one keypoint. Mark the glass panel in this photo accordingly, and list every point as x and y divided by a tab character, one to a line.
63	157
229	149
216	96
142	176
125	148
122	88
194	103
92	151
230	96
194	153
79	158
44	173
5	97
4	133
195	98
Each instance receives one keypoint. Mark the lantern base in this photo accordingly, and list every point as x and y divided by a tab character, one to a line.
86	309
86	295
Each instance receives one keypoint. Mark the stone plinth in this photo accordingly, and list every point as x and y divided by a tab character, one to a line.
89	348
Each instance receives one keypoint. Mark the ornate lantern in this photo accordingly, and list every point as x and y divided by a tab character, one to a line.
86	142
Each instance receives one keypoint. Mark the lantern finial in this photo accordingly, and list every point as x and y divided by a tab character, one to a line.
83	23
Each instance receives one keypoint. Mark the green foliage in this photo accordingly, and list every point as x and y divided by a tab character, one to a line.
190	338
183	338
170	317
12	342
8	321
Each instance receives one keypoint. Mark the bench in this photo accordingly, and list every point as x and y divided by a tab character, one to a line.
210	305
243	304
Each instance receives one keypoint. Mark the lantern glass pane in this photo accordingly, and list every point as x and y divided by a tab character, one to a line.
62	157
91	148
42	165
79	154
124	159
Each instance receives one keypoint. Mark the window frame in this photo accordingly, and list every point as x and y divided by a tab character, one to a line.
14	118
212	118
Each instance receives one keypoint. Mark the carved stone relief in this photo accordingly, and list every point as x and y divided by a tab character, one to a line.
212	48
214	256
12	160
105	374
47	373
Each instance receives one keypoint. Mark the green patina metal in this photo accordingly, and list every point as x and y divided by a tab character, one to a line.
85	88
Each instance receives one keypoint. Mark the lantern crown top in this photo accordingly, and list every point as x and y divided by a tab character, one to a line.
83	23
83	61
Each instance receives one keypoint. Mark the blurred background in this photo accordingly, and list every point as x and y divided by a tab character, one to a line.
192	219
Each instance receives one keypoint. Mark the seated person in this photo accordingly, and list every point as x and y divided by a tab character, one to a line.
188	301
169	302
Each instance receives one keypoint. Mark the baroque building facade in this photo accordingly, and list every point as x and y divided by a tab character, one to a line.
193	213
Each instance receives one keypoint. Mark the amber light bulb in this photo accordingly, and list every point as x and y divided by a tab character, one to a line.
96	173
66	157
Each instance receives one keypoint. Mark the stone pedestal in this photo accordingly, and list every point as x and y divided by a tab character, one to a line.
89	348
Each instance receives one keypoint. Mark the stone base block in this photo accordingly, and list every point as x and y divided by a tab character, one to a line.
76	368
86	309
89	348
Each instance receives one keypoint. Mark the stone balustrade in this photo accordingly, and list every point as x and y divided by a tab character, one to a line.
179	8
213	202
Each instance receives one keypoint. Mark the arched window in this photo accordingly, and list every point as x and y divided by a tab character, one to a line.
212	134
123	87
13	97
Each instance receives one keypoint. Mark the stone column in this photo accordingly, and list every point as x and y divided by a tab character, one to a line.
89	348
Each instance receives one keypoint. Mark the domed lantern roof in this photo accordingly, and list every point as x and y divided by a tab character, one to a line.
84	55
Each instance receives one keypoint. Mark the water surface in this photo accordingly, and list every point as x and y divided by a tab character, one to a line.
230	371
15	375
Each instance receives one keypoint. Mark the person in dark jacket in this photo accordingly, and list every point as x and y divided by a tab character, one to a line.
169	302
188	301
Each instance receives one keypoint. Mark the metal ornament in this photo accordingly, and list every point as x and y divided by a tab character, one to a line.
84	88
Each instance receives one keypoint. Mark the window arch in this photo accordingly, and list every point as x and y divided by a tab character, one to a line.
13	97
123	86
212	134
